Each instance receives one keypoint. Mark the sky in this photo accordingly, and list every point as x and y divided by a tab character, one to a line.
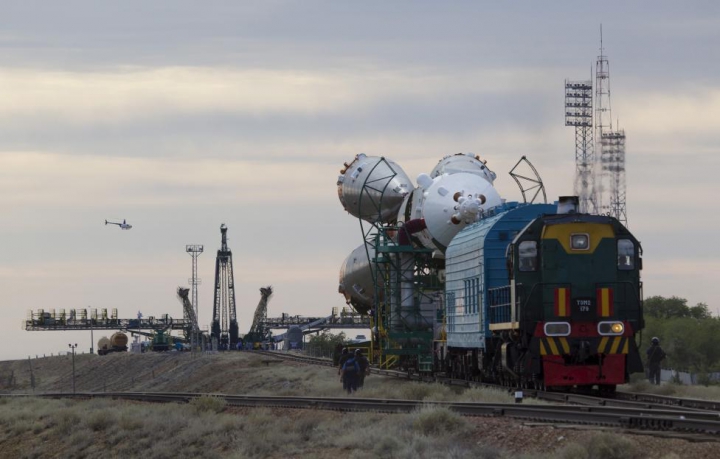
180	116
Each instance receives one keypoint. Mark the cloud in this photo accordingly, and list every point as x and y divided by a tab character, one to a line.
131	93
684	112
42	179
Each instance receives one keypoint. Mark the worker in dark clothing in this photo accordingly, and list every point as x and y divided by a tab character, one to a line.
655	355
364	367
337	353
343	357
349	374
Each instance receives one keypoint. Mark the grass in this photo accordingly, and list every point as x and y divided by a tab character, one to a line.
673	390
208	428
33	427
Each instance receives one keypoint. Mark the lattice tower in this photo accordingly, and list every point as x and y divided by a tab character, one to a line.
613	162
579	114
603	124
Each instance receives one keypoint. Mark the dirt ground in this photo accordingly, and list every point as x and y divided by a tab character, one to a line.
248	373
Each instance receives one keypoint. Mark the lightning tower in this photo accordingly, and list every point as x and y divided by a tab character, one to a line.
611	144
613	162
224	325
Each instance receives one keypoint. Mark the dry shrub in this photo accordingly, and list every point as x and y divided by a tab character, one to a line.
262	444
423	391
229	424
386	446
610	446
572	451
99	421
208	403
438	420
130	422
668	389
66	420
486	395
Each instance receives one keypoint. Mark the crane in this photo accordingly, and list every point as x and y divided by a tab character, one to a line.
193	332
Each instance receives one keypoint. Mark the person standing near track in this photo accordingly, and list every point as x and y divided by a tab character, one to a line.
655	355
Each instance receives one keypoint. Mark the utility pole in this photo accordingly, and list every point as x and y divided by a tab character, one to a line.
72	347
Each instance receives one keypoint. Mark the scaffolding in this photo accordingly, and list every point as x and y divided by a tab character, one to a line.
405	280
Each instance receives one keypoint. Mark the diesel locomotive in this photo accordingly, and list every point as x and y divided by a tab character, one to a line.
542	296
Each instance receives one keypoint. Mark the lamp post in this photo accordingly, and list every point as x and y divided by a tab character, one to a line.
72	347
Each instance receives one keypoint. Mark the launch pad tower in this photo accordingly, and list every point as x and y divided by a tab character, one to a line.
224	329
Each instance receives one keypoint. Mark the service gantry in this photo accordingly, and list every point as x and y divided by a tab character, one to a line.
224	328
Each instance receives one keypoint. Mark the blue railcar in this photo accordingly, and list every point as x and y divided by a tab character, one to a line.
475	264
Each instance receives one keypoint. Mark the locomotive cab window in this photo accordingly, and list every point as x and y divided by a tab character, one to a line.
626	254
527	251
580	241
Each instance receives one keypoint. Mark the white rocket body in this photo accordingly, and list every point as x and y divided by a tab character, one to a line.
457	192
373	188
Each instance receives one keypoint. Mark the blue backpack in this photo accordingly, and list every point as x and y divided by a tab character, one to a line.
351	366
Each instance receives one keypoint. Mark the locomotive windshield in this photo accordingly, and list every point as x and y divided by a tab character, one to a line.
528	256
626	254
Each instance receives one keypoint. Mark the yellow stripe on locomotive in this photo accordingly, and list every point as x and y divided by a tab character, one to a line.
579	238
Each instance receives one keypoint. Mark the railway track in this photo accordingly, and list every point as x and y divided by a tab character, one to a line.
694	422
620	399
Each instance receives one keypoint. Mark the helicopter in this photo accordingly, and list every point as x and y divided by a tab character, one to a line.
122	225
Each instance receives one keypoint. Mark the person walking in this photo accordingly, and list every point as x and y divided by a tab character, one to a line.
349	374
655	355
364	367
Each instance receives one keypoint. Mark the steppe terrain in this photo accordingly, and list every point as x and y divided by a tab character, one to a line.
38	427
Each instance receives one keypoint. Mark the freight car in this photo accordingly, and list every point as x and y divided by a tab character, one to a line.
116	343
542	296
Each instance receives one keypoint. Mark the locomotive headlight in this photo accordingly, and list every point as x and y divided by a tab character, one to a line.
557	329
580	241
611	328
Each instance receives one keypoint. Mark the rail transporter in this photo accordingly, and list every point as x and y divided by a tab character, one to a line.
541	296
